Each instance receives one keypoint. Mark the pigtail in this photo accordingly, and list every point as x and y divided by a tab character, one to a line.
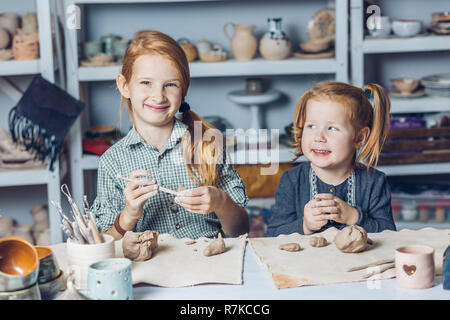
299	122
202	153
380	125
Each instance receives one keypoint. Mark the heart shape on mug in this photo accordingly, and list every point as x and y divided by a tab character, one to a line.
409	270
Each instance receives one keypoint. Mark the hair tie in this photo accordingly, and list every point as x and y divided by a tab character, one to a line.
184	107
368	93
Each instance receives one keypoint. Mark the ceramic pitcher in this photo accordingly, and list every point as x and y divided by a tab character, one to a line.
275	45
243	43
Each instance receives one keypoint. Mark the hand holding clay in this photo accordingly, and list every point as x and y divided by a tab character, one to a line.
202	200
139	246
337	209
314	218
137	191
217	246
351	239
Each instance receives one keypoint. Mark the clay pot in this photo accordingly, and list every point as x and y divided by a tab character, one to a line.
243	43
10	21
189	49
275	45
5	39
29	23
25	46
203	46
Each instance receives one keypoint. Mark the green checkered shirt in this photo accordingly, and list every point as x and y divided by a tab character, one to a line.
168	168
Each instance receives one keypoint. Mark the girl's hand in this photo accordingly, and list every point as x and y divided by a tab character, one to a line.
314	218
202	200
137	192
337	209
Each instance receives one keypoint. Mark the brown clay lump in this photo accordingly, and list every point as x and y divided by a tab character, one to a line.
351	239
217	246
318	241
291	247
139	246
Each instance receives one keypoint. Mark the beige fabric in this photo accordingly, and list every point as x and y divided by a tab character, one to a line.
176	264
328	265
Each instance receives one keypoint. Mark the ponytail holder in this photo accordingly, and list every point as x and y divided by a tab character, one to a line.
184	107
368	93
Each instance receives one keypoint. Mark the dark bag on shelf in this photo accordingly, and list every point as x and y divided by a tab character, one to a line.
43	117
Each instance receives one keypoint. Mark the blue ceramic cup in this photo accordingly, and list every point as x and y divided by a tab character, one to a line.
110	279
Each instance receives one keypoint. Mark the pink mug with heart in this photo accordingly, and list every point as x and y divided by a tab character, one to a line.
414	266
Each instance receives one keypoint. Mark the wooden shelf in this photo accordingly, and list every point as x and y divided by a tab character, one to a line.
229	68
393	44
16	68
416	225
420	104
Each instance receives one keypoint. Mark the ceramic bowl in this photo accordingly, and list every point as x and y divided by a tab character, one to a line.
19	264
30	293
50	289
315	45
405	85
379	26
48	265
101	59
406	28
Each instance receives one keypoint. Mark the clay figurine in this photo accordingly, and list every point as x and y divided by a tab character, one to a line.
318	241
217	246
351	239
291	247
139	246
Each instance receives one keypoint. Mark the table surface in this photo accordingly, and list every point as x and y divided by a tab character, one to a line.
257	285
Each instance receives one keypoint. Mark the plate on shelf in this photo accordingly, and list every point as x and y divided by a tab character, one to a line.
321	55
415	94
437	81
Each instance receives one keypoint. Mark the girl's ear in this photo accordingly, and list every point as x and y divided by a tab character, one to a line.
122	85
362	136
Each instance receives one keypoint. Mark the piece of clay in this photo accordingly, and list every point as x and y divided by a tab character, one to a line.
351	239
139	246
291	247
318	241
217	246
188	243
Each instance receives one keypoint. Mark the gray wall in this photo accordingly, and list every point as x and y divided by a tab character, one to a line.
208	96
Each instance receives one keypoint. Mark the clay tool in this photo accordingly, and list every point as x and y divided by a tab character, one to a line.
373	264
380	270
159	187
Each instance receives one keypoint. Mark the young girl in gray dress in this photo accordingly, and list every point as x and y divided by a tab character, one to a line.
337	129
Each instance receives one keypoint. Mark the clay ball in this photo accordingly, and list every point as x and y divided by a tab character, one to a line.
351	239
318	241
139	246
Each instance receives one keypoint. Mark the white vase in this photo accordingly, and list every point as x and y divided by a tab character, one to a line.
275	45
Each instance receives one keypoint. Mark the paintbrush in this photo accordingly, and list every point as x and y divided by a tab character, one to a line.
159	187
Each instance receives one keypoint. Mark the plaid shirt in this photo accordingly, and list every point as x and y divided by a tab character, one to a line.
160	212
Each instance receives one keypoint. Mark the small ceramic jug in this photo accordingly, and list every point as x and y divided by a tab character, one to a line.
243	43
275	45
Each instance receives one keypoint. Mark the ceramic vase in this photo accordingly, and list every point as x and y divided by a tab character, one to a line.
275	45
243	43
29	23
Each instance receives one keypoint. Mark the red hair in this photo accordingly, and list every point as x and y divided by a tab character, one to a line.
360	111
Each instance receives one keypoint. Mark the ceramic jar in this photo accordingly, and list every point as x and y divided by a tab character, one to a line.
9	21
379	26
25	46
275	45
120	48
29	23
108	43
243	43
92	48
414	267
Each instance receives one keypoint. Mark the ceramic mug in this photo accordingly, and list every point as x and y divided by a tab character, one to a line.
414	266
92	48
81	256
110	279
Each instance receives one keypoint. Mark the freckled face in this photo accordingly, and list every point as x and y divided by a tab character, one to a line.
328	136
154	90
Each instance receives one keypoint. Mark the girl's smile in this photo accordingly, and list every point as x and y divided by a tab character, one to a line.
156	108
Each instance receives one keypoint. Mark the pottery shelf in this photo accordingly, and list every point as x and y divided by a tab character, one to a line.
230	68
46	66
420	105
416	225
424	43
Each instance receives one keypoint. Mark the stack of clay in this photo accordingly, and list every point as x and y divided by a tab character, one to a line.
38	234
14	156
19	43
